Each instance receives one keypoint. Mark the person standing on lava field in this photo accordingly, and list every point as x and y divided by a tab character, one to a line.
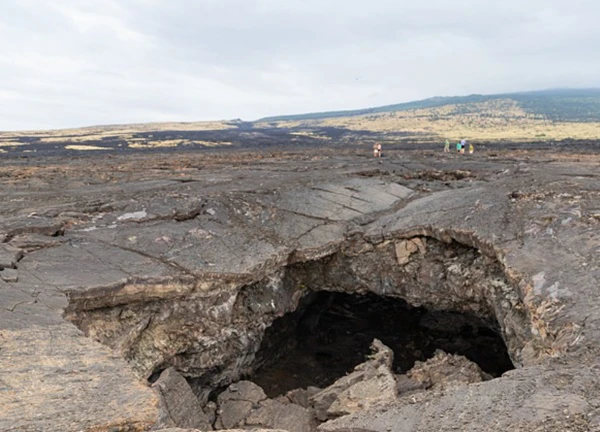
463	146
447	147
377	150
458	147
471	148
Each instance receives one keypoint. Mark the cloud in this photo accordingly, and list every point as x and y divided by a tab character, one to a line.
81	62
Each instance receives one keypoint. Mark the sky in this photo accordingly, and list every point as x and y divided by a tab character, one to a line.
69	63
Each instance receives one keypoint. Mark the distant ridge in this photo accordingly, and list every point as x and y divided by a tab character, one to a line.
569	105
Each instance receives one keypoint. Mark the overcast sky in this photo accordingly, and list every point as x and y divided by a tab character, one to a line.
83	62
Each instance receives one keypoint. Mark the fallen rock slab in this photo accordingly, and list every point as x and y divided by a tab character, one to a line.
371	383
245	405
289	417
178	405
236	403
242	391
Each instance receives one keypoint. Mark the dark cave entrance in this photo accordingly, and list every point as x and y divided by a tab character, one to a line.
330	333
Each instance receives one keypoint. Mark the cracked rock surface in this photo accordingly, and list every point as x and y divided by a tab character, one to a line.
114	269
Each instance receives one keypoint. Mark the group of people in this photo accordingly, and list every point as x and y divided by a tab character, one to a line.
461	147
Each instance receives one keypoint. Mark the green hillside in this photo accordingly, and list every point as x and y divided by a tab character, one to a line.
567	105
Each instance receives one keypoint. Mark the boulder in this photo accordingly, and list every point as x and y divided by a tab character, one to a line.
245	405
371	383
445	370
243	391
277	415
236	403
178	406
232	413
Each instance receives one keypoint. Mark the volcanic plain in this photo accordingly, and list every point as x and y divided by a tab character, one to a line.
301	286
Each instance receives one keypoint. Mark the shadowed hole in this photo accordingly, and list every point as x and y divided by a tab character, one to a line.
330	333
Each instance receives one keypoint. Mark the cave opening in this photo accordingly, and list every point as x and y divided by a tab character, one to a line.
330	333
311	322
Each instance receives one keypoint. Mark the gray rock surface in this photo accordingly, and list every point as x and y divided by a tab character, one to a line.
9	256
52	375
179	407
276	415
227	430
124	271
232	414
245	405
9	275
242	391
236	403
444	371
542	401
371	383
302	396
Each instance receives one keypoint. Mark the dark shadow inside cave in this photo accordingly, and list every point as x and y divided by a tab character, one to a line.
330	333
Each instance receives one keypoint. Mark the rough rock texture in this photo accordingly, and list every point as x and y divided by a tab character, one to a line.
53	378
227	430
372	383
444	370
9	256
233	414
237	402
534	399
405	248
276	415
131	265
9	275
179	407
242	391
302	396
244	404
